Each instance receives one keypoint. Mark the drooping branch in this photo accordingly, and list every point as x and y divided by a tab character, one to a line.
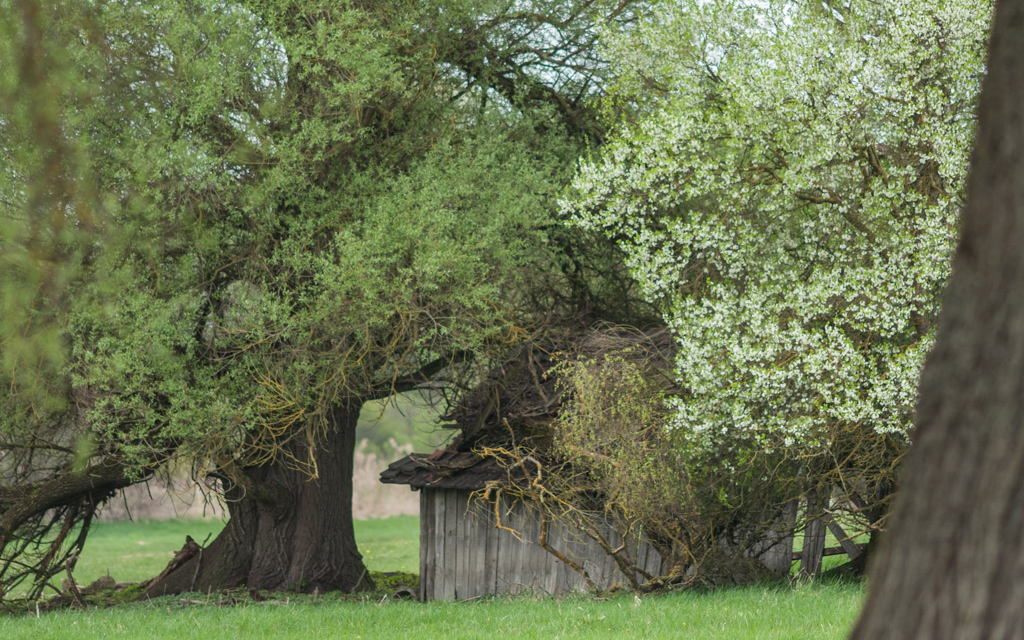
44	524
21	502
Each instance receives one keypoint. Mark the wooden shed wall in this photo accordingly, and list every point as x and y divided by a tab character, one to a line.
463	554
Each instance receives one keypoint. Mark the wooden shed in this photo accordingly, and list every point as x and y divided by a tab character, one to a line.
463	552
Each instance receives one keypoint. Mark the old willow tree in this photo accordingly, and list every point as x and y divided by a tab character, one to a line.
226	225
952	565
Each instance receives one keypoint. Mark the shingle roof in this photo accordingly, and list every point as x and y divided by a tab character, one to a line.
444	469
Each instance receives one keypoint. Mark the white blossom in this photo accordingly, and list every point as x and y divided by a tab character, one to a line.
790	192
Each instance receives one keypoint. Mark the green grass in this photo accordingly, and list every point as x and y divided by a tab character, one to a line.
390	544
136	551
822	611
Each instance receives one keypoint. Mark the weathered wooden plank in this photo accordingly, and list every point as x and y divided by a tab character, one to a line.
486	559
845	542
464	555
434	558
451	532
525	559
655	563
471	548
535	560
544	562
467	544
569	578
628	553
457	503
830	551
483	519
440	519
511	547
426	548
597	562
643	550
580	549
490	532
777	550
530	549
611	570
461	542
556	568
518	522
507	545
476	556
462	587
814	537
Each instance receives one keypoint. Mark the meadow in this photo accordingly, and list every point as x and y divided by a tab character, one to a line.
824	610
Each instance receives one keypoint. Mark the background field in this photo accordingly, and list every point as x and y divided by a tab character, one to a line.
135	551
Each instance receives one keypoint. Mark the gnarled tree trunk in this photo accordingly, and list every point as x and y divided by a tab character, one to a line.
293	533
953	565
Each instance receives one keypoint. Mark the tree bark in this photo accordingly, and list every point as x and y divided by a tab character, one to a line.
294	534
953	564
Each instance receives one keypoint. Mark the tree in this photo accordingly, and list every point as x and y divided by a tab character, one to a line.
789	187
950	567
297	207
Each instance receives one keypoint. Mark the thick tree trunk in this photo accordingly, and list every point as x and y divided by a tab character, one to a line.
953	564
295	533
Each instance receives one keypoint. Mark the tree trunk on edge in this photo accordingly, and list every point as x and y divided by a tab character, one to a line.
299	537
953	563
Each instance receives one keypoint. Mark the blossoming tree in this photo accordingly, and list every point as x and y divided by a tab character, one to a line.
787	184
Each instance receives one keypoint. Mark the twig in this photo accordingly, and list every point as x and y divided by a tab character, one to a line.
72	587
199	563
358	582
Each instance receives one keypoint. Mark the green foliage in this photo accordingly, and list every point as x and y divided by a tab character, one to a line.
612	424
706	511
222	220
295	204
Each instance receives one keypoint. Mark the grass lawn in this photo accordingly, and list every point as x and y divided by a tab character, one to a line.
822	610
